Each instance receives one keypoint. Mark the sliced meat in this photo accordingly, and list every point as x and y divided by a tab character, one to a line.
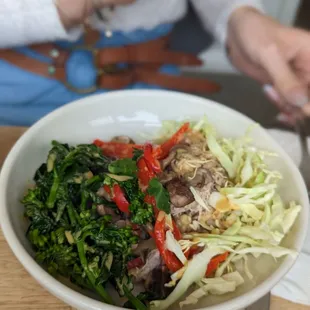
101	210
180	194
166	177
205	191
104	210
122	223
192	208
153	260
102	193
210	164
166	162
156	281
173	152
202	177
145	246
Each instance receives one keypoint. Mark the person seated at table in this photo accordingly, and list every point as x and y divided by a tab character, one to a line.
36	79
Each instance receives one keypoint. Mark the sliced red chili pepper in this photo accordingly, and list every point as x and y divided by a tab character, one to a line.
163	150
135	263
150	200
116	149
170	259
191	252
118	197
214	263
152	163
144	174
176	231
108	190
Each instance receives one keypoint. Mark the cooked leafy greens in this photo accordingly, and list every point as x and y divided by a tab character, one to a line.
68	235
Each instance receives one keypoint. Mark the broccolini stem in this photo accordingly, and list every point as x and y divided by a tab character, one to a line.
134	300
60	210
52	196
99	288
77	217
92	180
83	196
71	214
83	202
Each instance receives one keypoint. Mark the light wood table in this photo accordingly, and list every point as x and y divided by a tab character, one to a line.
19	291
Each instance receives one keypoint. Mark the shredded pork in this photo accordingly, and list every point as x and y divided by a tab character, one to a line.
191	165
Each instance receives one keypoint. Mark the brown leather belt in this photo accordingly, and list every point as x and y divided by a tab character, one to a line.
143	61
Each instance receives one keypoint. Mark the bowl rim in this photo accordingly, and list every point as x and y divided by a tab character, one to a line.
77	299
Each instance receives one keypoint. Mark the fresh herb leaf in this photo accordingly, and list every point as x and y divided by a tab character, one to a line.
126	166
161	195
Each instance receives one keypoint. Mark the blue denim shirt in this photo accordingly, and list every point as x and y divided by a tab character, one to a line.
26	97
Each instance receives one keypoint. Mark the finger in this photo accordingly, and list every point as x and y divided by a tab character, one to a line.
271	93
279	102
275	98
306	109
244	65
304	76
286	119
284	79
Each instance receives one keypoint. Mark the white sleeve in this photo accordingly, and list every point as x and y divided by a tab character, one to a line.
31	21
215	14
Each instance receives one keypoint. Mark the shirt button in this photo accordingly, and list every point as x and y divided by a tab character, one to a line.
108	33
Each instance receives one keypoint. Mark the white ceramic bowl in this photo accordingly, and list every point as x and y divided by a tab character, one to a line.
131	113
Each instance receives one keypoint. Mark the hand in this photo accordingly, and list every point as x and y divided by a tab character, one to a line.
74	12
272	54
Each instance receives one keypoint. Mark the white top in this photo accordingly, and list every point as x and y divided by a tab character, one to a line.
30	21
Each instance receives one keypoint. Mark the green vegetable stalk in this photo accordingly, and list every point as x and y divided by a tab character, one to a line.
99	288
134	300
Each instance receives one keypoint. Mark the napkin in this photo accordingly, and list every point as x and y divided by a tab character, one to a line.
295	286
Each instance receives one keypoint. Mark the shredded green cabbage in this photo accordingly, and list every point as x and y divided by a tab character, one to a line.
262	218
194	272
173	246
215	286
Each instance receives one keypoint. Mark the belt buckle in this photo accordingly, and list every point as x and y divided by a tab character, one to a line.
92	89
